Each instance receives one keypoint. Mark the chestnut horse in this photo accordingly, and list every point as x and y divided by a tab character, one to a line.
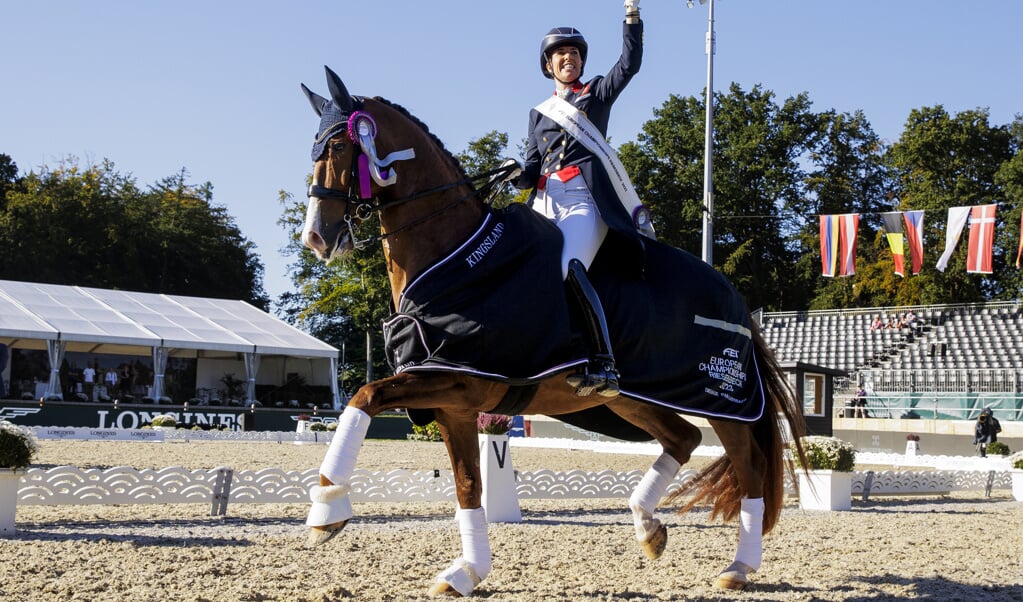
372	156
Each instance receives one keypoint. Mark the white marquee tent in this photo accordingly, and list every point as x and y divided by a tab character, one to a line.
71	318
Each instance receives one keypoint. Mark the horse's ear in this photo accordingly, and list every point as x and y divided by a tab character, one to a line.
315	99
339	92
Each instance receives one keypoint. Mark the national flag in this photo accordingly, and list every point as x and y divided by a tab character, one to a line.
956	221
915	234
893	233
1020	250
848	225
982	237
829	244
838	244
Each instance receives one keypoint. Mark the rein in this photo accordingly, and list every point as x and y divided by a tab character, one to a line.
363	207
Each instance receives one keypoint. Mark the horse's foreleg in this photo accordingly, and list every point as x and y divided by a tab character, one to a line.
473	566
331	507
678	438
644	500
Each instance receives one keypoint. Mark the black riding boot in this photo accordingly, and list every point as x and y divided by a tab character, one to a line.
601	375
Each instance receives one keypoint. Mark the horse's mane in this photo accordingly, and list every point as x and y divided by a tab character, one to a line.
426	130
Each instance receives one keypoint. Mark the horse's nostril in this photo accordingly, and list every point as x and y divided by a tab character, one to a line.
314	241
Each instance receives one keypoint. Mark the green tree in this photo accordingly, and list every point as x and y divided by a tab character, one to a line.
1009	179
93	226
847	175
342	303
8	178
757	180
483	154
943	161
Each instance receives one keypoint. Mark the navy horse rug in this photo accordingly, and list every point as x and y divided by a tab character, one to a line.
496	307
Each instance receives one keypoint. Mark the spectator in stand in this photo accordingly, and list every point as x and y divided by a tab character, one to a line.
909	320
110	380
877	324
860	404
89	378
125	380
4	356
986	431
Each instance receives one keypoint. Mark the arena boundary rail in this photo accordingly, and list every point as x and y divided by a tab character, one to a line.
218	487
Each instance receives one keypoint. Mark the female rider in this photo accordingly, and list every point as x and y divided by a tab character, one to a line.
570	182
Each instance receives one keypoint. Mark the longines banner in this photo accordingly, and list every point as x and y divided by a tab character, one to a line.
111	417
67	420
101	434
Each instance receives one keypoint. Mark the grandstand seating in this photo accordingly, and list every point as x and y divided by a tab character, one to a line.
976	336
952	349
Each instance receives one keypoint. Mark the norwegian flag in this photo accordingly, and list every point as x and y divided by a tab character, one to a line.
982	236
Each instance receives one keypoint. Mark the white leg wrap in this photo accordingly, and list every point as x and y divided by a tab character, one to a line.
475	563
339	463
751	531
648	494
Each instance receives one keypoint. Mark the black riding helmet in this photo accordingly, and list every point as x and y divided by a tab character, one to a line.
561	36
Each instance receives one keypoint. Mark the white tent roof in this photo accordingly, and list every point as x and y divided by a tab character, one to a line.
110	321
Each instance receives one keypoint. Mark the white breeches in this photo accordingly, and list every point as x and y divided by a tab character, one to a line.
570	206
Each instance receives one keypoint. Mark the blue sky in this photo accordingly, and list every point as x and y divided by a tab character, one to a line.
213	87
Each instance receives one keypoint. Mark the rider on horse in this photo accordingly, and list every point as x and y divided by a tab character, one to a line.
568	172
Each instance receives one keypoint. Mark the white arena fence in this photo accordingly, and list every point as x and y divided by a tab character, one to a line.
221	486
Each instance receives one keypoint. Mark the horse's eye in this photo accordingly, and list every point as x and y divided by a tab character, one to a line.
337	146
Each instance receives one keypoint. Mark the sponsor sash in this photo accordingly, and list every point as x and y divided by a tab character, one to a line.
577	125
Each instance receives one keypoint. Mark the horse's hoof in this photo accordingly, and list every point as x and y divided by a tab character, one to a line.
735	576
321	535
442	588
654	545
458	580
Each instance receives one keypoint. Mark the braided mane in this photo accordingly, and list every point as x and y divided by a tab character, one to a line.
426	130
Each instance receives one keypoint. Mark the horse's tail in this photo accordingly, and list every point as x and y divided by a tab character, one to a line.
717	484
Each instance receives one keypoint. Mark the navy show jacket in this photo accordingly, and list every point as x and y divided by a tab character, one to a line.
549	149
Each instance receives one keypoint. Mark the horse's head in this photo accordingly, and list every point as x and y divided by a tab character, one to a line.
358	141
333	211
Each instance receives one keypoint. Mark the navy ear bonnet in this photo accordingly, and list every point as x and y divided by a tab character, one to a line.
334	112
333	120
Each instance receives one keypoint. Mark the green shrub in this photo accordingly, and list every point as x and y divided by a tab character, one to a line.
17	446
997	448
430	432
165	420
1016	460
828	453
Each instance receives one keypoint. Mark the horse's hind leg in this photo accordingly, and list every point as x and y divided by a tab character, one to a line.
748	463
678	439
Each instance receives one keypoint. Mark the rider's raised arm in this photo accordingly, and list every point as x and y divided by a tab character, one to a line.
608	88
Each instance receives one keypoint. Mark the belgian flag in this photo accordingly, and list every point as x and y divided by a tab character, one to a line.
893	232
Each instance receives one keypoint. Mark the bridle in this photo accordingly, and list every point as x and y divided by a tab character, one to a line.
359	208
